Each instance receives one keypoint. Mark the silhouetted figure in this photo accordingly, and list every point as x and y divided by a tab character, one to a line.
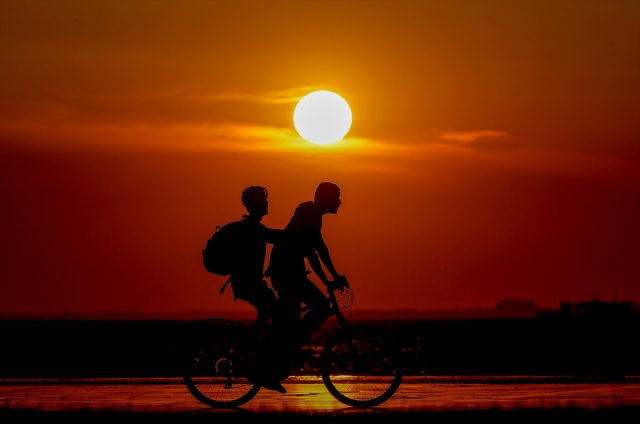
247	273
247	276
288	274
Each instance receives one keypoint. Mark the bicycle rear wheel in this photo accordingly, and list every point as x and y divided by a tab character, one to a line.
361	367
219	360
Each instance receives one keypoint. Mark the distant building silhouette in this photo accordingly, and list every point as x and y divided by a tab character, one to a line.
594	309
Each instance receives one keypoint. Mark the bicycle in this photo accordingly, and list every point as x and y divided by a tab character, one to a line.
361	365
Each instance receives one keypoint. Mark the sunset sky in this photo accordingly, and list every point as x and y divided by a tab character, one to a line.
494	151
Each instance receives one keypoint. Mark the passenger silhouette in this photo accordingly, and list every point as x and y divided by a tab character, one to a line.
247	271
247	276
289	276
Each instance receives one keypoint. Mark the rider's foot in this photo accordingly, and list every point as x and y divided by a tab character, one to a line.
273	385
268	381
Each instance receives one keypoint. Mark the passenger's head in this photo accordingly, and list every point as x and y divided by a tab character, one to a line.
255	200
327	197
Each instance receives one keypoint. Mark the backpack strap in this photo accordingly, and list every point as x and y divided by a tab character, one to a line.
224	286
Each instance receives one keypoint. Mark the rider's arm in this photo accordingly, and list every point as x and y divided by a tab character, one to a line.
339	279
314	261
320	253
325	257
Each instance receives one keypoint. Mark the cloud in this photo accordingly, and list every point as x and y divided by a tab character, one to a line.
470	136
292	95
203	95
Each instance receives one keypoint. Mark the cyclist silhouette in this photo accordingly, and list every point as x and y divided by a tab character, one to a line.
289	276
247	272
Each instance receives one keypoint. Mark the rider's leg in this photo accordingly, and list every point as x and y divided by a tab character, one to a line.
319	310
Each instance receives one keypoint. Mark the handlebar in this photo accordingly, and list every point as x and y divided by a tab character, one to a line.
339	284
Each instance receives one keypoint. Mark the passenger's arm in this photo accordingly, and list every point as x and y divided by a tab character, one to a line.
273	235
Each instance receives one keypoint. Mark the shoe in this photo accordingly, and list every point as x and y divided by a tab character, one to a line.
272	385
267	381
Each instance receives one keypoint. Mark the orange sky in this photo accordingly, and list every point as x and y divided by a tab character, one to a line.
494	151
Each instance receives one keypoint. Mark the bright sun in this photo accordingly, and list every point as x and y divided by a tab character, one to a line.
322	117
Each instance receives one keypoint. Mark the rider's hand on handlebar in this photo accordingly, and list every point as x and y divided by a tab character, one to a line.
339	283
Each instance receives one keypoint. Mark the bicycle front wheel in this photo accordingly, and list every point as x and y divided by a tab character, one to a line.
218	361
361	367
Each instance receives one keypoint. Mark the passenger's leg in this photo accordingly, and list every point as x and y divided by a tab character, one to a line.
265	302
286	325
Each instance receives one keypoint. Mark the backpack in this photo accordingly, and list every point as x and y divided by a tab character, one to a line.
221	249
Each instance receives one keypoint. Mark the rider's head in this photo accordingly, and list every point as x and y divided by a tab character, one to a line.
255	200
327	197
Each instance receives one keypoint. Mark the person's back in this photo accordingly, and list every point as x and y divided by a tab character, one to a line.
287	259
